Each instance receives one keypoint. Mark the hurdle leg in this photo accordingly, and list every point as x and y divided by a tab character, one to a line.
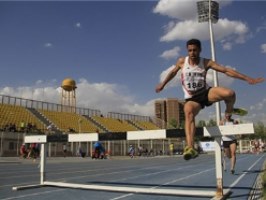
218	167
42	171
43	163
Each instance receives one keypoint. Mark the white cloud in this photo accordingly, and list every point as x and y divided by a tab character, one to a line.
258	111
172	53
48	45
108	97
105	97
78	25
181	9
262	27
263	48
176	9
229	31
186	24
174	82
227	46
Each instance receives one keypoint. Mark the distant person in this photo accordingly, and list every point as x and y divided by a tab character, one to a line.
197	93
23	151
131	151
33	151
64	150
50	128
229	144
99	150
140	150
171	149
22	126
81	153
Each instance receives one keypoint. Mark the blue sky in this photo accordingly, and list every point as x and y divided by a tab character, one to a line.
117	51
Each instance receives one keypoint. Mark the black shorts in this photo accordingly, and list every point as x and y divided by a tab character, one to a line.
201	98
226	144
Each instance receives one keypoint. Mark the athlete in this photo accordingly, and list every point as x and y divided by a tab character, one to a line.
197	93
229	143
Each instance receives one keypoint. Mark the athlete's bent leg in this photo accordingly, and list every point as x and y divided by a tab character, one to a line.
223	94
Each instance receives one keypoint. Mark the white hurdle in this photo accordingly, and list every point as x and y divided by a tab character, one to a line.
217	132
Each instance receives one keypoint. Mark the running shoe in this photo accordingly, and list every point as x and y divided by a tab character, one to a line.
239	111
189	153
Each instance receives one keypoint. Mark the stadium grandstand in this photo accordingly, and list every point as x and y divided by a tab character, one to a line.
39	114
20	117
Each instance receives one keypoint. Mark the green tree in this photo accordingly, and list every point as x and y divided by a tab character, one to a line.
260	130
211	122
173	123
182	124
201	123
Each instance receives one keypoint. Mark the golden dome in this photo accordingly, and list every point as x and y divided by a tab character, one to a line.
69	84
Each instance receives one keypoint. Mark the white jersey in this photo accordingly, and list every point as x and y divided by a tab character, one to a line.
228	137
193	78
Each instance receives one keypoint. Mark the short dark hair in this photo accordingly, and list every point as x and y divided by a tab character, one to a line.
194	42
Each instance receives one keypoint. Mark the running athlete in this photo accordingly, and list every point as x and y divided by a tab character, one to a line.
229	143
197	93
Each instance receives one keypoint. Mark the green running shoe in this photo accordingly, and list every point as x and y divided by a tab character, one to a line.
195	154
239	111
190	153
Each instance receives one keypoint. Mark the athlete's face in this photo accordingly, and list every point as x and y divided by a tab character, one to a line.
193	51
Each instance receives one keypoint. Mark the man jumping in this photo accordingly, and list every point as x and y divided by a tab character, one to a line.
196	91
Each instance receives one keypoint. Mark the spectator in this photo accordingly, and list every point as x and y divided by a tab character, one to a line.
23	151
131	151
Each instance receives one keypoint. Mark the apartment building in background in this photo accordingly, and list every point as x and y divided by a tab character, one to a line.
168	112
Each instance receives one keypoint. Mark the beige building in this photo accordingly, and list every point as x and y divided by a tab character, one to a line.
168	112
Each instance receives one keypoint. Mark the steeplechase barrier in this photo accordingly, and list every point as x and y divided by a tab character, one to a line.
216	132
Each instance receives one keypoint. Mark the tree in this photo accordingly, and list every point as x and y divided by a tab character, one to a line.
173	123
201	123
260	131
211	122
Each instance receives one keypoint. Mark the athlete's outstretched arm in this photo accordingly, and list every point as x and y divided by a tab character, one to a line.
169	76
233	73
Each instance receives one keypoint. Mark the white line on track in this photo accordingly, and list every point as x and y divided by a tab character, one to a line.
33	194
240	177
195	174
167	183
130	194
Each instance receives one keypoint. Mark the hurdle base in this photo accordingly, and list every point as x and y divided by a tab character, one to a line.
27	187
226	194
153	191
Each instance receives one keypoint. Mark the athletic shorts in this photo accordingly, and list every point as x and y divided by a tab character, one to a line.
201	98
226	144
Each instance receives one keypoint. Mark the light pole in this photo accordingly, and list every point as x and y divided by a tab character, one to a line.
208	11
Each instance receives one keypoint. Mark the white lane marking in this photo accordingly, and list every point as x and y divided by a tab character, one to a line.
33	194
167	183
235	182
78	177
240	177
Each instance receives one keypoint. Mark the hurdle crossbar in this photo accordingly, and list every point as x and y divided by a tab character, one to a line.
217	132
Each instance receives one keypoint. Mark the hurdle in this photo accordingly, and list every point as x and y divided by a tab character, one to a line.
217	132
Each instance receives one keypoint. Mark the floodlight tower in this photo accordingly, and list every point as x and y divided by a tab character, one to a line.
208	11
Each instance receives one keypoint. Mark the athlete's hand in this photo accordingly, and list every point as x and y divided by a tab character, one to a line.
253	81
159	87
